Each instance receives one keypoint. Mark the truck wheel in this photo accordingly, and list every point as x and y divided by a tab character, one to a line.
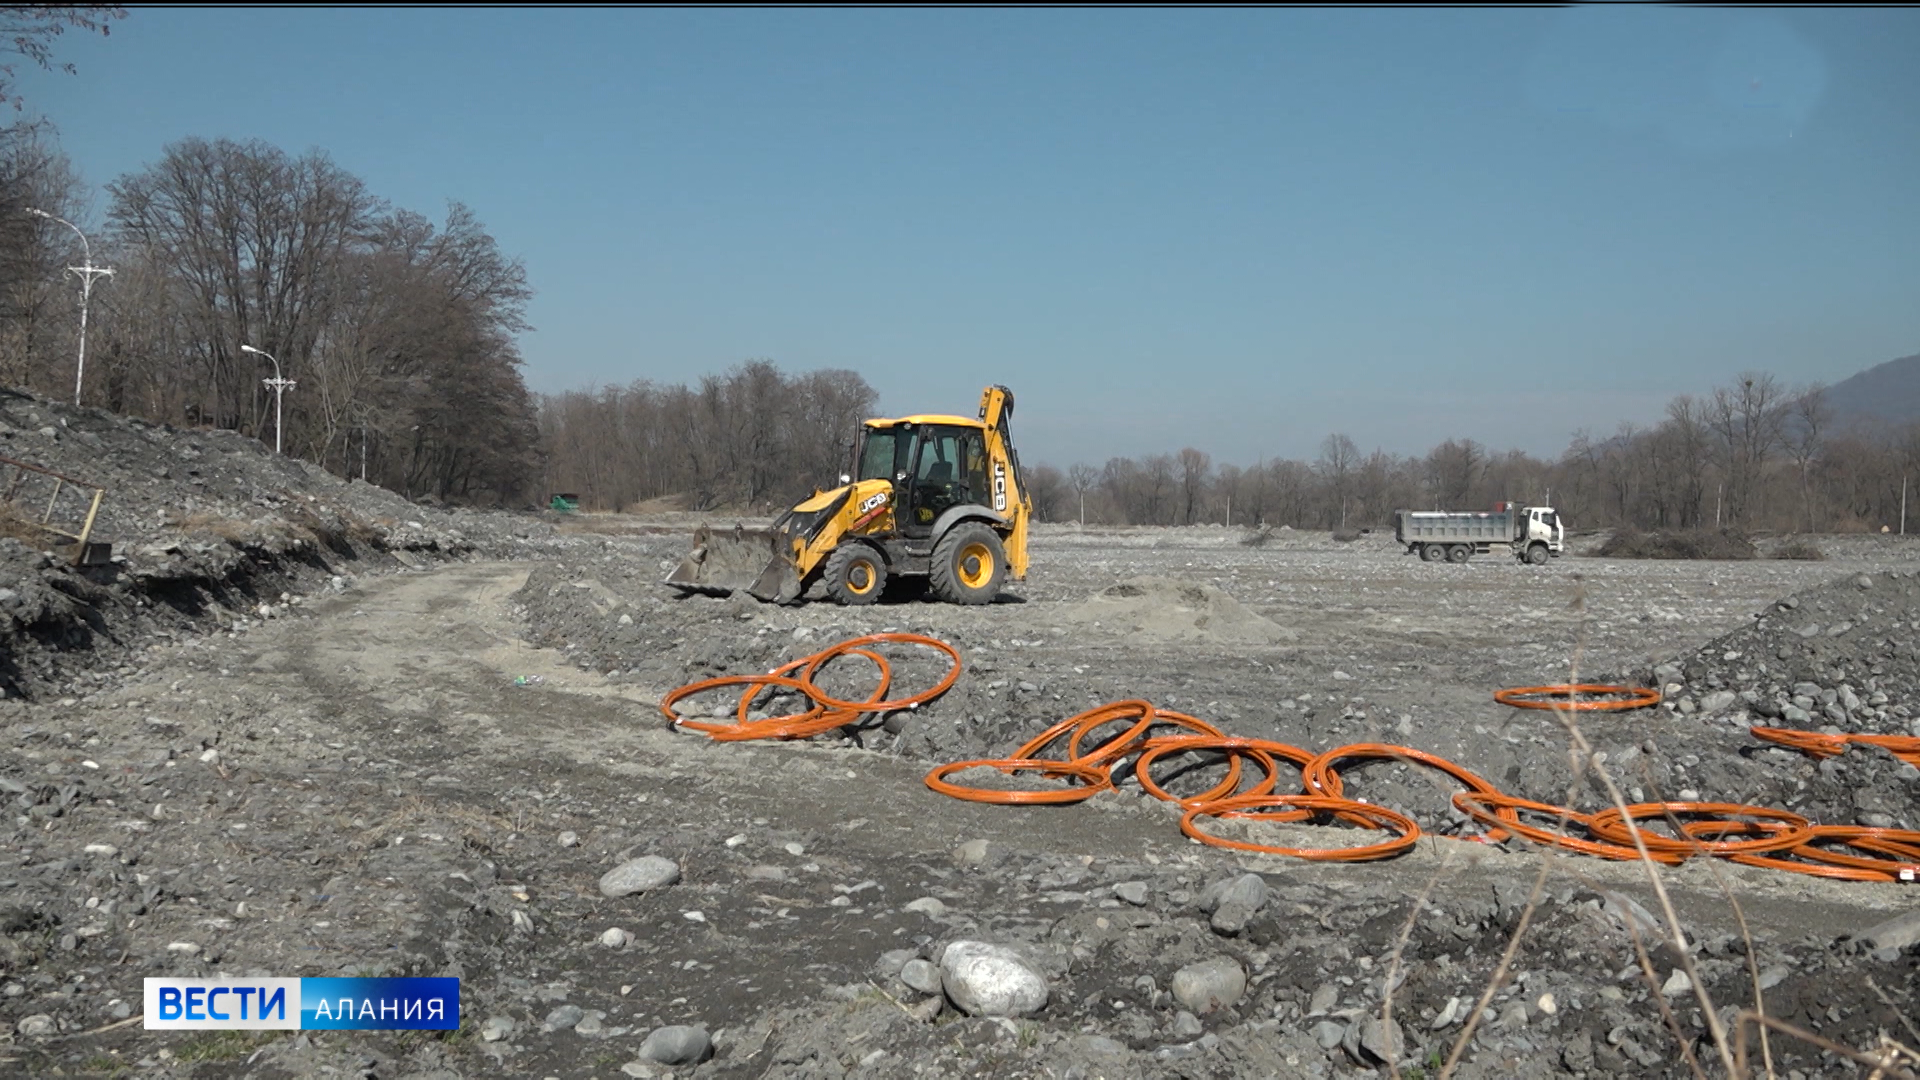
1459	553
1537	555
968	565
855	575
1432	552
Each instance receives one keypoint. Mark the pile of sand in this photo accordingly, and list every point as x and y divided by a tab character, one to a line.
1148	609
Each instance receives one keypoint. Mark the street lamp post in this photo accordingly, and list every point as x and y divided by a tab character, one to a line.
276	384
88	272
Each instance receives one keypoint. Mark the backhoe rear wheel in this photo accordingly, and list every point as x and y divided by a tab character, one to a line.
855	575
969	565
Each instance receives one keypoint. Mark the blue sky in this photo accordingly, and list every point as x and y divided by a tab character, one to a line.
1237	229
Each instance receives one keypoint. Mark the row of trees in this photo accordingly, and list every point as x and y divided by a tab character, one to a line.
234	261
1751	455
751	437
398	332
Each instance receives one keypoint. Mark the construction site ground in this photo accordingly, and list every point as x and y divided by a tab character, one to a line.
409	741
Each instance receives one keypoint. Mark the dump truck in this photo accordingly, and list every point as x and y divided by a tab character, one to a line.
928	501
1532	534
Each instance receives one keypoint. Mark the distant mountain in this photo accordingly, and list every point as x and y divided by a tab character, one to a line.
1889	393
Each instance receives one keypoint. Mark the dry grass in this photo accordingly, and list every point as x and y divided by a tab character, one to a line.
232	530
16	524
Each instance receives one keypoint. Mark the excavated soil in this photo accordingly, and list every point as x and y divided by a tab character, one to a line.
425	756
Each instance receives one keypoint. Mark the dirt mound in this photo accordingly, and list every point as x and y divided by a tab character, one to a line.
209	530
1150	609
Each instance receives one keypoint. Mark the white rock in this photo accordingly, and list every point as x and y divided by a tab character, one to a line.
1677	983
639	875
1209	984
991	980
37	1026
615	938
929	906
184	948
569	838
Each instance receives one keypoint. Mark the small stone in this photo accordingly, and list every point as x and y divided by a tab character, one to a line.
37	1026
979	853
1323	1000
626	620
1237	903
563	1018
1341	676
921	975
590	1025
929	906
1676	984
1717	701
1133	892
796	849
184	948
991	980
101	849
639	875
615	938
677	1045
1383	1043
497	1028
1328	1034
1863	581
1447	1015
569	839
701	916
1210	984
892	961
1187	1026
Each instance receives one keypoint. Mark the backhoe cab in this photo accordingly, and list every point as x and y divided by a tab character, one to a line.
932	499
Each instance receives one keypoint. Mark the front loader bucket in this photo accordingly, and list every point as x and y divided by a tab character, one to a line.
743	560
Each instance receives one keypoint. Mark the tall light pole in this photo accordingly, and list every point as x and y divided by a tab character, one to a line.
88	272
276	384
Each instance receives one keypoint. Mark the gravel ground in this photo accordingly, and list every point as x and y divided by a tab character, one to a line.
429	757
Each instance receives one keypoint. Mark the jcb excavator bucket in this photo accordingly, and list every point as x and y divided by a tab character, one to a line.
746	559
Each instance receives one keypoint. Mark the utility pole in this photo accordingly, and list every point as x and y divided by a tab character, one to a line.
1903	504
276	384
87	273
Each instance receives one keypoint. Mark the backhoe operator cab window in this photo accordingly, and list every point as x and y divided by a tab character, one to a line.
951	471
883	447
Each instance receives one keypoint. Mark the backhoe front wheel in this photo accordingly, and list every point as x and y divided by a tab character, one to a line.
969	565
855	575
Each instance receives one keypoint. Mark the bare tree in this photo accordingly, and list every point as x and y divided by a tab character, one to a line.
1082	477
1338	458
29	30
1804	429
1194	466
1747	419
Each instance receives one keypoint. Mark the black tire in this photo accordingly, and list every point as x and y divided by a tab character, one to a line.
969	565
1537	555
855	575
1432	552
1459	553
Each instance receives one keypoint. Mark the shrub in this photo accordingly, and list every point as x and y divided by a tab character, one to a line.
1679	544
1346	536
1799	549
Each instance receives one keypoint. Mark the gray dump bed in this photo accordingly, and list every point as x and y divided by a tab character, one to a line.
1447	527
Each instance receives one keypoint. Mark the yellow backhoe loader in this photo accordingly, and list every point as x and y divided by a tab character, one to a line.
935	500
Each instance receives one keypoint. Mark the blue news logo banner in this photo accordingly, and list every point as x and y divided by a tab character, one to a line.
379	1004
303	1004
